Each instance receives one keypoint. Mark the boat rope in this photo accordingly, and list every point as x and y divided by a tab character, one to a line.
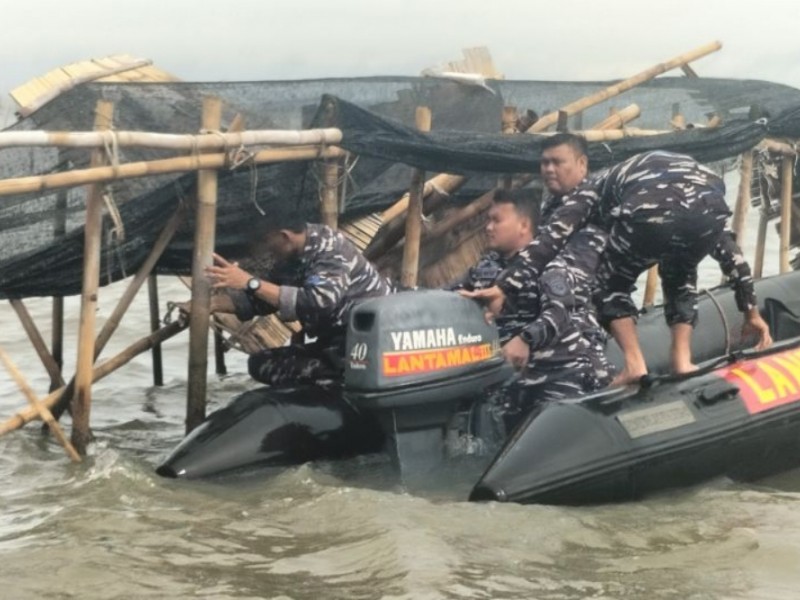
724	319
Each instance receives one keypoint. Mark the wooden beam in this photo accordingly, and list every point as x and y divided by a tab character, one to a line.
743	196
50	364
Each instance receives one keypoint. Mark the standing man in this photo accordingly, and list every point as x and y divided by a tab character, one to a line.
318	276
658	208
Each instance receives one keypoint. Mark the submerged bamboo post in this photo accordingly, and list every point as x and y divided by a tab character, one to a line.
155	353
36	339
623	86
743	196
82	402
410	268
57	316
106	367
787	165
37	405
330	196
113	321
201	289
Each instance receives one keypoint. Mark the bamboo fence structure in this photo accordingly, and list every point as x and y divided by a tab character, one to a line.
210	151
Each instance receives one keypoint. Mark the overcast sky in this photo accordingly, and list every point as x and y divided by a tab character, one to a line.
277	39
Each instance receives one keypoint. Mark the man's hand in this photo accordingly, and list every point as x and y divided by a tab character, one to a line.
756	326
227	274
517	352
492	298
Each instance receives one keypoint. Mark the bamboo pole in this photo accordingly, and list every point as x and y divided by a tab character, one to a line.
743	196
82	402
201	290
53	370
330	197
619	118
410	268
509	125
436	190
761	240
787	166
43	183
625	85
40	408
57	315
113	321
26	415
155	353
170	141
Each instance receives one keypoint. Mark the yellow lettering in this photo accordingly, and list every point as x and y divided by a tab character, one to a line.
780	382
388	367
791	364
765	396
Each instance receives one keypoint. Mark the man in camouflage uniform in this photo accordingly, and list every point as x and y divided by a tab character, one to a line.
658	208
549	322
319	275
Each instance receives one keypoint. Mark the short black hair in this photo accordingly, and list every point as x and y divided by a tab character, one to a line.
574	141
525	201
275	221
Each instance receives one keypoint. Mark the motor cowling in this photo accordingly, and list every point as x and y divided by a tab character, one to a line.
420	347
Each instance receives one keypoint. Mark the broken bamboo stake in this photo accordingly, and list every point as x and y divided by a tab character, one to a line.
623	86
619	118
103	369
787	166
410	266
761	240
93	231
216	140
43	183
204	239
41	410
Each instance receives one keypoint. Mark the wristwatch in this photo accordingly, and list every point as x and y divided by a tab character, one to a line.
252	285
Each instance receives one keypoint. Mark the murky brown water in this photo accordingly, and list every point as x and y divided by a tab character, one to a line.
111	528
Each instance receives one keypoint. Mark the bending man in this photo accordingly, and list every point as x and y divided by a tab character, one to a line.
318	276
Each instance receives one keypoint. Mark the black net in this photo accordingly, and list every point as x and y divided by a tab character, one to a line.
41	252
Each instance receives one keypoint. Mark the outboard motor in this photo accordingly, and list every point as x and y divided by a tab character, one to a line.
412	359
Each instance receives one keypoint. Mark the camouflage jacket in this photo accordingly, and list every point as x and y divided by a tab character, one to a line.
318	287
554	314
621	190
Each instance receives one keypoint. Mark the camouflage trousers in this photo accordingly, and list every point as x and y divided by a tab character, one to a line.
294	364
673	234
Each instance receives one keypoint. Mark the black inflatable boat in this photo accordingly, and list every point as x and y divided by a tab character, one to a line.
418	361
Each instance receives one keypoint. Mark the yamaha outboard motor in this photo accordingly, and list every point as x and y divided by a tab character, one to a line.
412	359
